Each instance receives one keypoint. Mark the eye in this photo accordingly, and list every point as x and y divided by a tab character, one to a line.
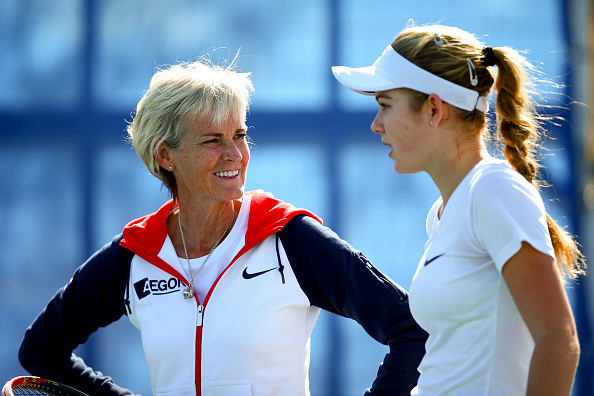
240	136
210	142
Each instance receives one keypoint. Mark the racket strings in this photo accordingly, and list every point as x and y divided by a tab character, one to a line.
26	392
37	389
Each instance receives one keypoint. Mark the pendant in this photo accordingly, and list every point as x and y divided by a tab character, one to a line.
188	293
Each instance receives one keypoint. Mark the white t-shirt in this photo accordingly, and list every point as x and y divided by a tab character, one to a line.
478	344
222	255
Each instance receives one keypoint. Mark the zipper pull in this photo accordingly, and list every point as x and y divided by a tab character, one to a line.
200	315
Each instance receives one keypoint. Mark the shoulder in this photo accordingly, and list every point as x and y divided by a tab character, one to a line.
496	179
313	248
304	223
495	171
111	254
107	268
303	229
507	210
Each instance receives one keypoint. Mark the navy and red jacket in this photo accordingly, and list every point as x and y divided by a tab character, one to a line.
251	334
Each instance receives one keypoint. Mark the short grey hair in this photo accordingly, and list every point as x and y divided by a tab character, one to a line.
193	90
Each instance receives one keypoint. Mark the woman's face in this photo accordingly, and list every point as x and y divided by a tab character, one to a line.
404	130
211	162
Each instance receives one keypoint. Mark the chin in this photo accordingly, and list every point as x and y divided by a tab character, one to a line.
237	194
403	171
240	194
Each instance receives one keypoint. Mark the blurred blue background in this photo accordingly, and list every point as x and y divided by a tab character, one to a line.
72	71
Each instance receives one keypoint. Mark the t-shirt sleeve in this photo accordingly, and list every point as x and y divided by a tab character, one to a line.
506	211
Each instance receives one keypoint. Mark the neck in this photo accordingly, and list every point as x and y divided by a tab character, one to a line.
448	176
202	229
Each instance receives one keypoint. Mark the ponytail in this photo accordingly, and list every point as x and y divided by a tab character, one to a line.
520	127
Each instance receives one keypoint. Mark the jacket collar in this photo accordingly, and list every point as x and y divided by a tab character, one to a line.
145	236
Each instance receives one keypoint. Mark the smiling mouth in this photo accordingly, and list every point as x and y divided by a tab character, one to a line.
227	173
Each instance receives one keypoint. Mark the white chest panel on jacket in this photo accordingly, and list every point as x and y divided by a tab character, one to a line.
255	332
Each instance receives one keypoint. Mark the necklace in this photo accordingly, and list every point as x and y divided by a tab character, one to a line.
188	291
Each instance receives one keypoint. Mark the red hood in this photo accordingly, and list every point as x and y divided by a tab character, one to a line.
145	236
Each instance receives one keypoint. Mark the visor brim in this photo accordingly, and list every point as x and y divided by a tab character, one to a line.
392	71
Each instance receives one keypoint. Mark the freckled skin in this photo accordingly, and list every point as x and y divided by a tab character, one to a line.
206	150
400	127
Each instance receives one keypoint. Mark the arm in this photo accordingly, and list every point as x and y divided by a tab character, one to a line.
536	287
510	219
93	298
339	279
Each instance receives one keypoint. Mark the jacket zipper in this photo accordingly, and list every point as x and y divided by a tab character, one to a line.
200	315
199	321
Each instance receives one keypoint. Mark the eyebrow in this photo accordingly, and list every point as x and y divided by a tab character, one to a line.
219	134
382	95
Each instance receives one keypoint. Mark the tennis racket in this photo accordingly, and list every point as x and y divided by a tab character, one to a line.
27	385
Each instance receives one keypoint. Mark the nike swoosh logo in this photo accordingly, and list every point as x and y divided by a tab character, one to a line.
427	262
247	275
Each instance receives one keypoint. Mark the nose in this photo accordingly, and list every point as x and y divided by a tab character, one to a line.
376	125
231	152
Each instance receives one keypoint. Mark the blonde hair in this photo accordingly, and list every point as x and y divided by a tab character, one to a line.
178	94
445	51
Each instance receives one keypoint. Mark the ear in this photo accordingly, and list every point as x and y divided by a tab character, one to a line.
162	155
438	110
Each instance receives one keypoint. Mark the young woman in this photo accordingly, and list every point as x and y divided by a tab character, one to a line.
489	287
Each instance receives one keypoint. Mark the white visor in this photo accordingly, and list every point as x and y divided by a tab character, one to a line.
392	70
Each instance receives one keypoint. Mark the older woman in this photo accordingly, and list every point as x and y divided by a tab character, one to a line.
224	285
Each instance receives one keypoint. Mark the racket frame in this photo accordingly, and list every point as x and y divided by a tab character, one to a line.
38	383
